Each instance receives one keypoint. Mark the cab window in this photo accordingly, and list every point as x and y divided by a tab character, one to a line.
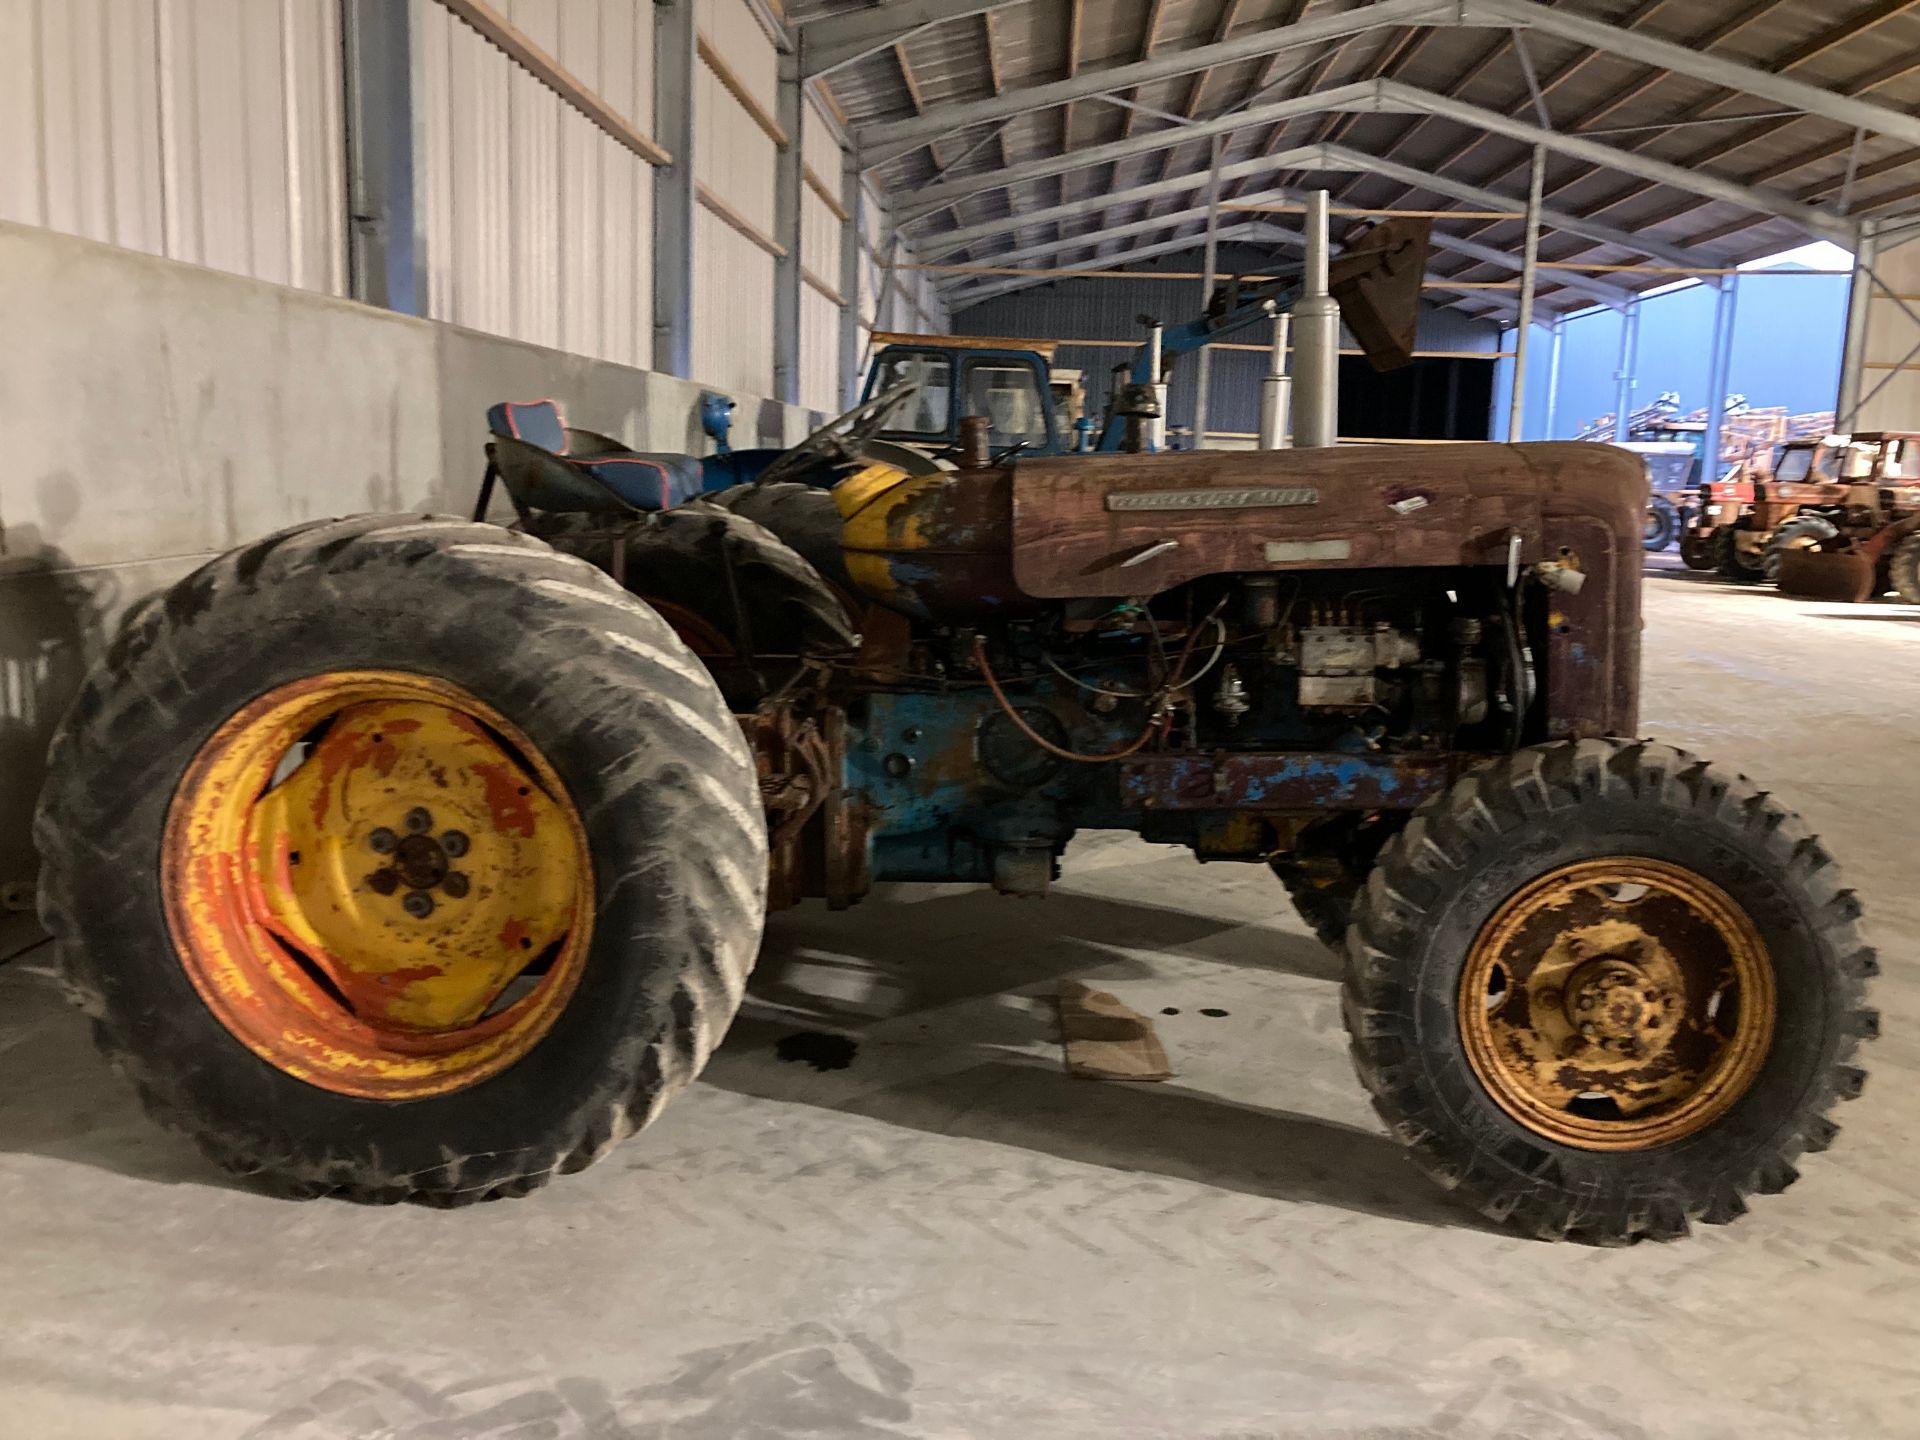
926	414
1009	394
1795	466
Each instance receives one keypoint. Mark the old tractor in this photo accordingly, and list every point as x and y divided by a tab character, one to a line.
1861	536
418	857
1833	493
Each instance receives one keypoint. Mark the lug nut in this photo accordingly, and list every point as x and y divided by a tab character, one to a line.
419	821
418	904
382	841
383	882
454	842
455	885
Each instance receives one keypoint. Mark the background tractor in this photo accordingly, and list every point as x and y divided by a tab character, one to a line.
1832	493
1861	536
414	857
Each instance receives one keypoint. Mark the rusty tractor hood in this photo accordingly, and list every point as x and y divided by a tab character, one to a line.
1140	524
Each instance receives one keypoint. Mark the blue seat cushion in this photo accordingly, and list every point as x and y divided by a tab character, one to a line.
538	422
646	482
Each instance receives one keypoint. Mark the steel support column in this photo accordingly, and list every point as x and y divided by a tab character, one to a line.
1556	354
1316	317
1529	287
1626	375
852	240
675	37
787	181
1203	372
1725	313
1853	361
386	246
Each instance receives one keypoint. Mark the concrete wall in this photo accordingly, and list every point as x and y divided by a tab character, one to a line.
158	413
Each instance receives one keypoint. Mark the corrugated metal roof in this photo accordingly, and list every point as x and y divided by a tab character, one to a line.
1869	49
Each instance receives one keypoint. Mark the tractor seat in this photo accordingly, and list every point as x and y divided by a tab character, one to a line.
548	466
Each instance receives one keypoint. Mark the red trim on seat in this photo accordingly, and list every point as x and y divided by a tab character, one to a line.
513	408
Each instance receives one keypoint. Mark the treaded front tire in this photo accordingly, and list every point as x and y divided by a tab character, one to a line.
1803	532
1498	831
1903	570
636	732
1731	561
1326	909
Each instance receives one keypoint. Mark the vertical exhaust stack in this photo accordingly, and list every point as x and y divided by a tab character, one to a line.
1276	395
1316	316
1156	377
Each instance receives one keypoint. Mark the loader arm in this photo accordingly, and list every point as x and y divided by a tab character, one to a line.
1377	281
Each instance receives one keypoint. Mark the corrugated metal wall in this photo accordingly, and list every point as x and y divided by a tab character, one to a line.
1108	310
734	161
1891	337
893	297
202	130
213	131
537	224
820	227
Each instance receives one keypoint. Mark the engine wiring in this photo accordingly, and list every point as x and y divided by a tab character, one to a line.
1087	685
1159	721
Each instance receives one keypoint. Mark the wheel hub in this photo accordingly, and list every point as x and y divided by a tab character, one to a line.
361	868
420	862
1617	1004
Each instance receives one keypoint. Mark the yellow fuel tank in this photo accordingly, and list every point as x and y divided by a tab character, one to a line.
935	547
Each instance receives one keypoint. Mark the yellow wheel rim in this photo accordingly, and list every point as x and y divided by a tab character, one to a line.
1617	1004
377	884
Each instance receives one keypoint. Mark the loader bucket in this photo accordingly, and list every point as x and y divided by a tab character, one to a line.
1378	282
1827	575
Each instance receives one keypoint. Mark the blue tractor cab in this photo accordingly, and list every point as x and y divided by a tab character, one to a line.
1007	381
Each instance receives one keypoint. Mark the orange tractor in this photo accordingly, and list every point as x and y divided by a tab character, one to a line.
1830	494
1855	532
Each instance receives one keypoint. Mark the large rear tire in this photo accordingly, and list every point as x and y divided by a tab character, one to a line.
803	516
1603	990
1662	527
752	592
480	728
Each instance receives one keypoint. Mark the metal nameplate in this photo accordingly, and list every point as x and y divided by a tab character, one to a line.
1257	498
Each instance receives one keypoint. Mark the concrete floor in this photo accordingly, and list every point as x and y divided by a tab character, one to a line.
948	1238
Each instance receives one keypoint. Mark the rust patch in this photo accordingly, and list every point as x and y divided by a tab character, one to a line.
508	800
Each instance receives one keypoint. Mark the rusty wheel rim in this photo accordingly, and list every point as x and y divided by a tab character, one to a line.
377	884
1617	1004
